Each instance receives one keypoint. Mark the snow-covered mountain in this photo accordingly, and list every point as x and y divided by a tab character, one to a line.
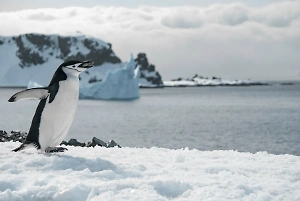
35	57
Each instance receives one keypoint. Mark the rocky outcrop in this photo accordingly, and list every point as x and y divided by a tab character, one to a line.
18	136
149	77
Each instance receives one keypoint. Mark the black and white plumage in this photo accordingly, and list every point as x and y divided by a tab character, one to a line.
56	110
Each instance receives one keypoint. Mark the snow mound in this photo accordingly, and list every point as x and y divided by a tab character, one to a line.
120	84
146	174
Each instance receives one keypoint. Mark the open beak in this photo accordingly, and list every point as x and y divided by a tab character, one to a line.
86	64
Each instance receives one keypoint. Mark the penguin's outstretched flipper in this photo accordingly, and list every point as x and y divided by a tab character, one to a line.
34	93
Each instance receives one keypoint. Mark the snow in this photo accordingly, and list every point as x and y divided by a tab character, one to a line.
122	83
200	81
179	83
146	174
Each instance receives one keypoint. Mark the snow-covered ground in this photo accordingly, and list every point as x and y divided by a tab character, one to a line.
146	174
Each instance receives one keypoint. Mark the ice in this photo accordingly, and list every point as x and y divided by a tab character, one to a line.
32	84
126	173
120	84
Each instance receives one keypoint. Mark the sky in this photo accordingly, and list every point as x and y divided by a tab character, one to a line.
254	39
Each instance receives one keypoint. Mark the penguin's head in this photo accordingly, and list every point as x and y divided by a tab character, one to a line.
76	67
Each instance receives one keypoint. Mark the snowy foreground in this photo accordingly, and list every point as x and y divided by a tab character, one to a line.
147	174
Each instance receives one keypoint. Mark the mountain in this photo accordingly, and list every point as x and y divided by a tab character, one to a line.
148	76
35	57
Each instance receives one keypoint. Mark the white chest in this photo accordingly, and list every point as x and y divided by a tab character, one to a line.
58	115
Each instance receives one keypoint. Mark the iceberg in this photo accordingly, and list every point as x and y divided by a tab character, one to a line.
32	84
119	84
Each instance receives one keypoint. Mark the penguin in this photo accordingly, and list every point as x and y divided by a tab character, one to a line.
56	109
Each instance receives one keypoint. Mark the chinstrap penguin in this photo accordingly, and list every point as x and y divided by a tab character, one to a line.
56	110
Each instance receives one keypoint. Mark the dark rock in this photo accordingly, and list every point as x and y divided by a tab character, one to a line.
99	142
12	136
64	45
26	55
2	133
146	70
215	78
112	144
21	136
39	40
91	144
74	142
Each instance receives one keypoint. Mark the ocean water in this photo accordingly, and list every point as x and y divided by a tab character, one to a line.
247	119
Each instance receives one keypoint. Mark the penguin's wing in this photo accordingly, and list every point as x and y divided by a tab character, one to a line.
34	93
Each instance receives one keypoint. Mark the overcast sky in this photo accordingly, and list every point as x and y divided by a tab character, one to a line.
253	39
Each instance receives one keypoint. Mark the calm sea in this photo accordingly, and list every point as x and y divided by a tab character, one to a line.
248	119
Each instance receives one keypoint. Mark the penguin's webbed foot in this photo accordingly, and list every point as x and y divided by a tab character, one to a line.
20	148
55	149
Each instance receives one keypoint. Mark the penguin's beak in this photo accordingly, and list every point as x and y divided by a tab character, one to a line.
86	64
